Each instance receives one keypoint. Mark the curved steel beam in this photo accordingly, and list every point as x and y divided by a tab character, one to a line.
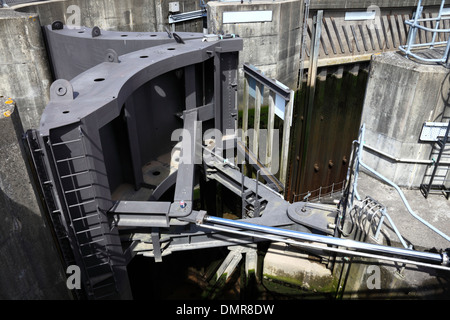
74	50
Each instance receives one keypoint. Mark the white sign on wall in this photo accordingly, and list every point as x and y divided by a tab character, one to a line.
247	16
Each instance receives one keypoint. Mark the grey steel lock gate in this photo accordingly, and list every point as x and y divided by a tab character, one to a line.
116	117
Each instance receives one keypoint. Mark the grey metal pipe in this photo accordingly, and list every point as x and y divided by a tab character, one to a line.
322	248
430	257
404	160
402	196
399	191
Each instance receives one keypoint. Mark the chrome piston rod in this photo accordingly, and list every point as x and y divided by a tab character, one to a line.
351	244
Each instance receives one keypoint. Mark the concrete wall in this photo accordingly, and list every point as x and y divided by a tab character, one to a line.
273	47
24	69
29	263
401	95
116	15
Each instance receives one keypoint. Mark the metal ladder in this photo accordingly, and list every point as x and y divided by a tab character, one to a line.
36	154
439	178
87	231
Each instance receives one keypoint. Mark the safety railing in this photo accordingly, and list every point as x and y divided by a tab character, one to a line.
438	41
321	193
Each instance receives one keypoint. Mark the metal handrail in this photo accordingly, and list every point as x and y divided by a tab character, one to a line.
415	26
333	186
360	163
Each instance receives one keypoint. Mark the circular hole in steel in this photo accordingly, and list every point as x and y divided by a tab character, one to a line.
124	35
82	31
60	91
99	79
143	57
65	112
156	173
153	35
170	48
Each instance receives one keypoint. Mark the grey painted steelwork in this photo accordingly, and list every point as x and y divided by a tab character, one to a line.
103	130
68	60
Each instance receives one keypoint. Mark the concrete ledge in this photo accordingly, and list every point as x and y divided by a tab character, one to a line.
401	95
284	263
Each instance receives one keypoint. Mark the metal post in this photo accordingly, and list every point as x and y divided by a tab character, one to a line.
380	223
270	126
245	118
257	204
286	136
243	201
311	84
438	19
259	90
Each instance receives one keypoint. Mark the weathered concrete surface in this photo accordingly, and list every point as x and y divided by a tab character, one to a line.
284	264
24	69
29	263
115	15
401	95
273	47
371	279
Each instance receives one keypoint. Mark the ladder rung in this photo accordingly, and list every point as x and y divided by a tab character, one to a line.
64	142
85	217
91	242
95	253
105	285
105	295
74	174
70	159
89	255
78	189
88	230
97	265
81	204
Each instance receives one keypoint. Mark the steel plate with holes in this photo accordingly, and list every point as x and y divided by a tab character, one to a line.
432	130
